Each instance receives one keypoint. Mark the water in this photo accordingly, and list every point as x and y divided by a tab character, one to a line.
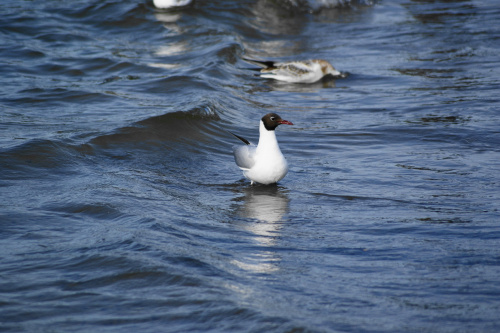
122	208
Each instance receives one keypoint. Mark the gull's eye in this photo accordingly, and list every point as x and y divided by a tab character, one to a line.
273	118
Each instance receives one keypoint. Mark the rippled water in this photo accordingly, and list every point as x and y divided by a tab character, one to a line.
122	208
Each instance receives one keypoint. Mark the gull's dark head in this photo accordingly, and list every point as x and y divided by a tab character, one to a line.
272	120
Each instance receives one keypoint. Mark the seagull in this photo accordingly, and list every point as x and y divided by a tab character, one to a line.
264	163
303	71
164	4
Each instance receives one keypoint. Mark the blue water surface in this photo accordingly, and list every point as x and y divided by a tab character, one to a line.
122	209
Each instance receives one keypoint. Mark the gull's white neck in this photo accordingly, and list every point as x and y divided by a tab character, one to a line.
267	139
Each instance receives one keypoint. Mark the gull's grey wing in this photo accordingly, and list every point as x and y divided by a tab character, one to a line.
297	68
292	72
244	156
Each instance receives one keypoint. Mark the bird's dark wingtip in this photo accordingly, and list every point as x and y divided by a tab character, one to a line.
264	64
239	137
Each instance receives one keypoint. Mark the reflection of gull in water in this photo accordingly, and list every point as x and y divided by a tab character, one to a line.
325	83
264	203
169	50
267	205
172	49
169	20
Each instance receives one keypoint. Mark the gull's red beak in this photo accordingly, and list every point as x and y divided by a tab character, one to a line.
285	122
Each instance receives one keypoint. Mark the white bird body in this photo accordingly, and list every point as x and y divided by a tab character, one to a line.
305	71
263	163
164	4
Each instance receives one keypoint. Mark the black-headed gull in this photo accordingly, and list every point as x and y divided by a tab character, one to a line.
304	71
263	163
